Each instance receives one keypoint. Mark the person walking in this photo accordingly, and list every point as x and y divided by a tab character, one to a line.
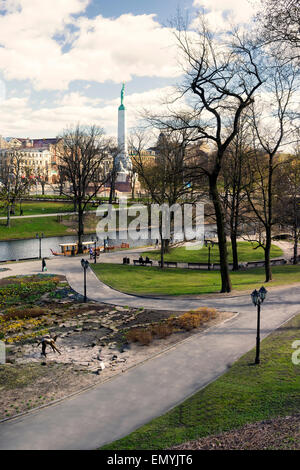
44	265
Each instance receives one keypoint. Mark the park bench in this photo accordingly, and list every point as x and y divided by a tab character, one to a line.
256	264
276	262
197	265
169	264
143	263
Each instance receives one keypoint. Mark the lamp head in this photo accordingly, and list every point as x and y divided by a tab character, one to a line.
262	293
255	297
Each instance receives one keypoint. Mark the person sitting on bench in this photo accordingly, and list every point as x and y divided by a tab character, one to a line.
147	260
141	260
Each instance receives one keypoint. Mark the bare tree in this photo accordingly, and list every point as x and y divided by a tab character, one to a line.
41	178
16	180
164	178
81	153
287	204
221	81
279	22
271	129
234	181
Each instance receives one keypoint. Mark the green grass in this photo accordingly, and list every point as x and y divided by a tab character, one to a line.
246	252
151	280
245	394
43	207
28	228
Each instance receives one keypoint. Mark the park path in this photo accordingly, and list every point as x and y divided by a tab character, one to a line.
113	409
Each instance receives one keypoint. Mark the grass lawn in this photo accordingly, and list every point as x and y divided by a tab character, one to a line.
147	280
27	228
246	252
245	394
44	207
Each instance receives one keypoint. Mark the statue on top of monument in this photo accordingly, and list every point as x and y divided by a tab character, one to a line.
122	93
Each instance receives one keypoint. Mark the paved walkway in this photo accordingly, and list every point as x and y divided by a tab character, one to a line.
115	408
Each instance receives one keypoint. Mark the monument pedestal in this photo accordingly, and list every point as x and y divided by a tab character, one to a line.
122	183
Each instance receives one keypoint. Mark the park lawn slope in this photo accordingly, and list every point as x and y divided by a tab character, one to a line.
43	208
247	251
247	393
29	227
152	280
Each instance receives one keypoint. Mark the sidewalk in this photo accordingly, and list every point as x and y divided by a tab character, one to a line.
115	408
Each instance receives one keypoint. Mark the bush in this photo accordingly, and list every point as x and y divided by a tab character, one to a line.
194	318
143	336
26	312
162	330
188	321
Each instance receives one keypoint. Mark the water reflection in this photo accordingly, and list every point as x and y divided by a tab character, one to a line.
26	249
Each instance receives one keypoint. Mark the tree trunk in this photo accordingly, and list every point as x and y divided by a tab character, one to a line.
225	277
8	216
268	270
166	246
80	229
268	224
235	259
295	258
162	247
112	190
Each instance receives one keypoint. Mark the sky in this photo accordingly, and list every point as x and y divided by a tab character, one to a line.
63	62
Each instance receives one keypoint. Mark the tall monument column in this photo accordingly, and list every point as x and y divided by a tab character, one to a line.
122	134
123	162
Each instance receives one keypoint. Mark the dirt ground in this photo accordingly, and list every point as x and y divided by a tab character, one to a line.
91	338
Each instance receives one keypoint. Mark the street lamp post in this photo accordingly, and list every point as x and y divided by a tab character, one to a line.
209	244
39	237
257	298
95	252
85	265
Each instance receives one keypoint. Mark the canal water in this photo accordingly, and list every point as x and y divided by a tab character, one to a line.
27	249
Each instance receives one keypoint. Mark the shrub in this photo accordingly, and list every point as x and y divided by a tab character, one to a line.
143	336
194	318
162	330
188	321
26	312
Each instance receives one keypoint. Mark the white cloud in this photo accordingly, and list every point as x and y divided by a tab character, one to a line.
76	99
222	13
17	117
33	33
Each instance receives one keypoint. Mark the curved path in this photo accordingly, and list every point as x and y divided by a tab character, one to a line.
113	409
